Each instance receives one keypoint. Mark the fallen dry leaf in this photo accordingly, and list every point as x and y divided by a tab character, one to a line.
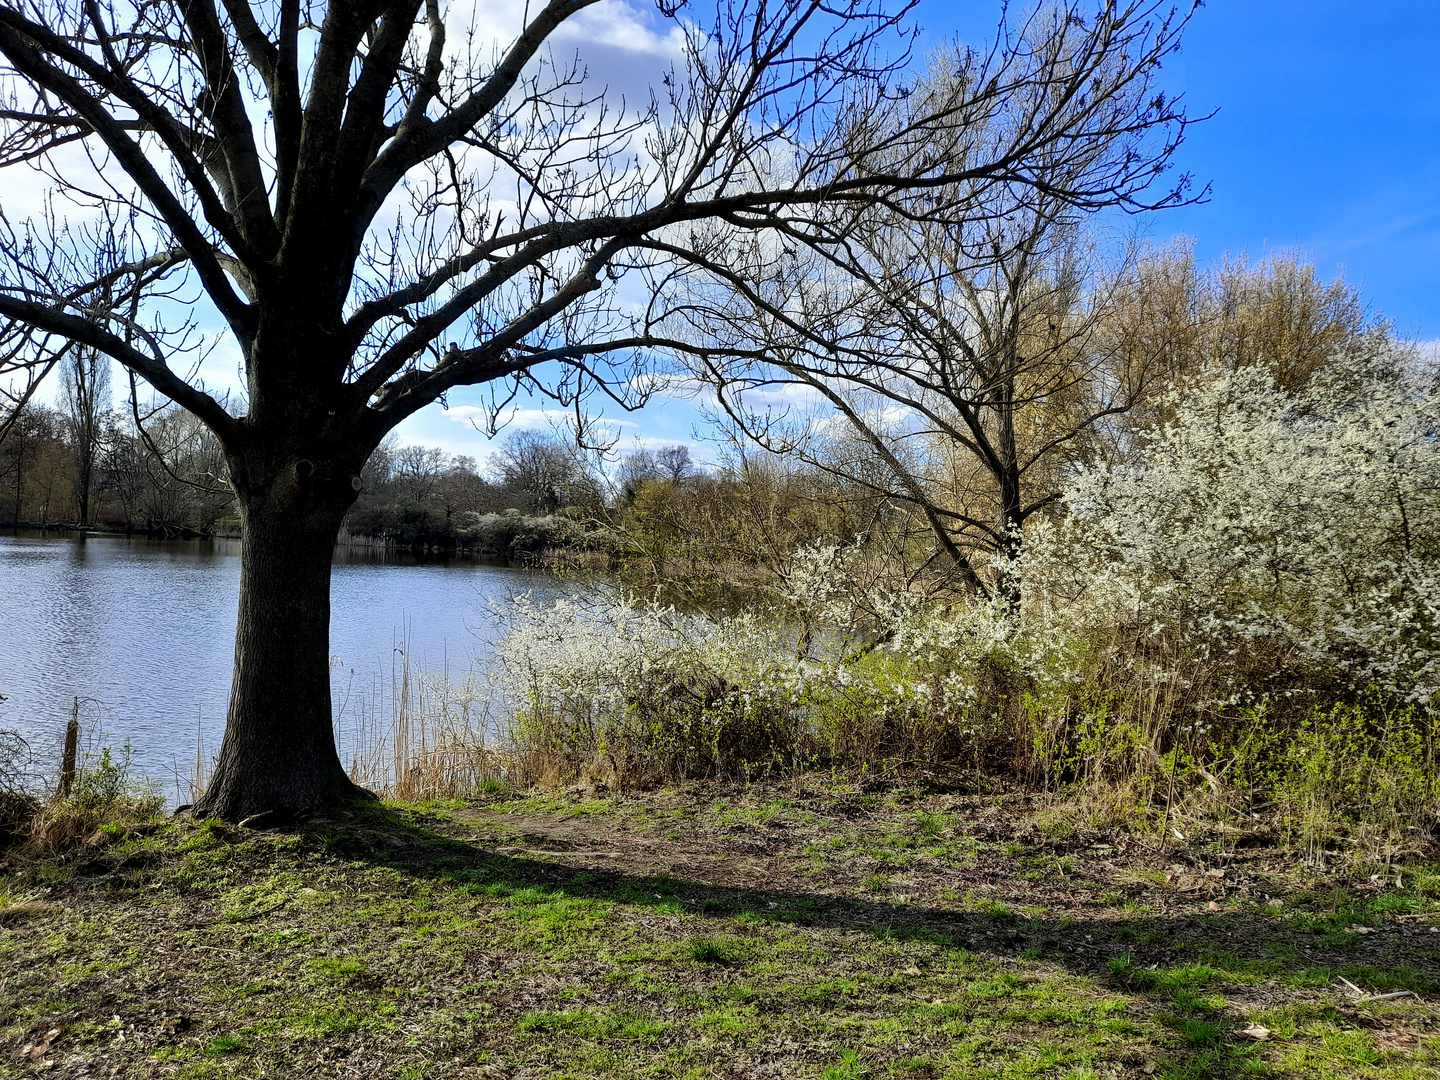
1254	1031
40	1046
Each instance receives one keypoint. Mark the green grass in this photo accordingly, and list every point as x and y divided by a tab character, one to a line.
222	1045
417	940
712	951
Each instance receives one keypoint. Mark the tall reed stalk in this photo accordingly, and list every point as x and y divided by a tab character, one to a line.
420	736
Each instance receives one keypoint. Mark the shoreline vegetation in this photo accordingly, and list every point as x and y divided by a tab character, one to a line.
513	536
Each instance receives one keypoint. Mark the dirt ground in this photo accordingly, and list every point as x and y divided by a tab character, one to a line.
811	929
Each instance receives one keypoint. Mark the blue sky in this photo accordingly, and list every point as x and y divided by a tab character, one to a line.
1326	139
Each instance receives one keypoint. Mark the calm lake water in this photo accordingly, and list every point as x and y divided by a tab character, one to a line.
143	630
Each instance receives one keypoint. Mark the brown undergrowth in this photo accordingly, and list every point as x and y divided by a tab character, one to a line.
811	929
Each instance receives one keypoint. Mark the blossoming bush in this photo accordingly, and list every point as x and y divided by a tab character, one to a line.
641	691
1295	535
644	692
1246	615
1273	562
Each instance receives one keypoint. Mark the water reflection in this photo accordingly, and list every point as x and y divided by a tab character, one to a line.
143	630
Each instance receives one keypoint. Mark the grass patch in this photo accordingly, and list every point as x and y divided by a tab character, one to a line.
713	951
524	938
224	1045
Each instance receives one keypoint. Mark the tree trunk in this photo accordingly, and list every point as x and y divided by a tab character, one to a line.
82	481
19	482
1007	476
278	756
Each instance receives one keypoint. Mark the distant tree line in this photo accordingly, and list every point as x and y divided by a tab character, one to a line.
79	463
164	474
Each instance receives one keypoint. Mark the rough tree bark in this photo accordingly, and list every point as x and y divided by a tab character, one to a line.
279	750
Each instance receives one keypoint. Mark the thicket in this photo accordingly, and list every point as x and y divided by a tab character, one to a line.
1229	615
92	799
539	493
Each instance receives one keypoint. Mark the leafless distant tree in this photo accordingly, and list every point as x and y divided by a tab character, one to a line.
85	384
674	462
183	466
636	469
380	211
548	470
669	463
417	470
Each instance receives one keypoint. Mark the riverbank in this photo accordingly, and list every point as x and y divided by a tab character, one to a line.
814	929
42	528
508	534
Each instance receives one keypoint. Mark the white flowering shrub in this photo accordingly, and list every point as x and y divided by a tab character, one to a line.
1268	576
644	691
641	689
1290	532
1251	610
848	589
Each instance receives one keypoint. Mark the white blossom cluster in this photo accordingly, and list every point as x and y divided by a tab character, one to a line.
1307	520
626	680
848	590
618	678
1265	530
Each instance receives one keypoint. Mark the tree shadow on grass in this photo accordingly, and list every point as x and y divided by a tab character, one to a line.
1167	960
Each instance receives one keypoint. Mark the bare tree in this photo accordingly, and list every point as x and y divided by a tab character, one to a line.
185	489
959	390
637	468
674	462
669	463
379	213
417	470
85	385
964	359
548	470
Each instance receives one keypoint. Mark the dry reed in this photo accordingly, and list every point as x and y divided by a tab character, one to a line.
420	736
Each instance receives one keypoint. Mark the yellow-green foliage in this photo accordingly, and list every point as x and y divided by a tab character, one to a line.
104	794
1363	776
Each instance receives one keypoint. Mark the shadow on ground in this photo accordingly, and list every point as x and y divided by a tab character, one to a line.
1166	961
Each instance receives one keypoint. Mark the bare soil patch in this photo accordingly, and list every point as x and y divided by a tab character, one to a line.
795	931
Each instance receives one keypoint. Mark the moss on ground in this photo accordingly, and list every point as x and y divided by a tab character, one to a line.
825	934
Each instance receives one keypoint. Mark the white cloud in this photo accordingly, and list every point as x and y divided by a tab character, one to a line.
623	46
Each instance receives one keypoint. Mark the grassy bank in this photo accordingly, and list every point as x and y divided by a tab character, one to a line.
808	930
